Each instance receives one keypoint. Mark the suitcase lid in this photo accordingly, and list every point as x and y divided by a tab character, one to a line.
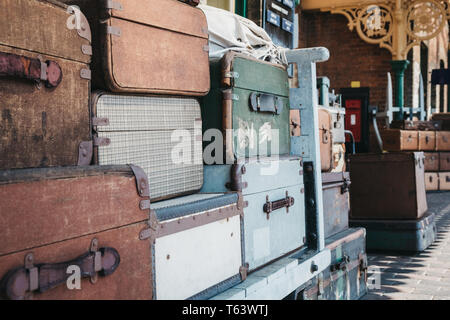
49	205
164	14
245	72
47	27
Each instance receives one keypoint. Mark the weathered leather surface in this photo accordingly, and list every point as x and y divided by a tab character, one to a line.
135	62
443	141
431	181
55	214
427	140
432	160
39	126
444	161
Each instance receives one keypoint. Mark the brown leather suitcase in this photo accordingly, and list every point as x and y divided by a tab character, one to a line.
400	140
326	143
432	161
435	125
431	181
427	141
444	181
387	186
444	117
44	85
58	220
444	161
443	141
151	46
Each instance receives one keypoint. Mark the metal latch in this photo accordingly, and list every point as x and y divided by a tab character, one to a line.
33	273
231	74
114	31
342	265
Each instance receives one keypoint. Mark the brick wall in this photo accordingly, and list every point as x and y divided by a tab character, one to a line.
351	58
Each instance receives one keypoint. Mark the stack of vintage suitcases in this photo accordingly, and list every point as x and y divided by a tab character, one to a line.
393	205
102	171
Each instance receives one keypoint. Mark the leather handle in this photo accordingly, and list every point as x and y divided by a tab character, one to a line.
262	102
269	206
12	65
20	283
193	3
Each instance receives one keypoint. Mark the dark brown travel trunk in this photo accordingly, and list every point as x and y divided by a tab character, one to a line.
152	46
74	216
387	186
417	125
432	160
400	140
44	85
444	161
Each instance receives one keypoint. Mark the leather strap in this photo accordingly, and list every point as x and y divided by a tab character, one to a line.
19	283
12	65
261	102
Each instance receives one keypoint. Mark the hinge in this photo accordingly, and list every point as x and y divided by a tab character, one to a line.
86	49
233	75
102	142
229	95
110	4
152	229
86	74
85	152
100	122
114	31
206	48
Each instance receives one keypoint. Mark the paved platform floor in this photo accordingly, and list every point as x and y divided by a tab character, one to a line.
422	276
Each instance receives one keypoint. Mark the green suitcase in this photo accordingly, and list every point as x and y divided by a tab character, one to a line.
249	104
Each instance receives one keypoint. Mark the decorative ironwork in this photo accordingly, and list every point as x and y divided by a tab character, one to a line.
397	25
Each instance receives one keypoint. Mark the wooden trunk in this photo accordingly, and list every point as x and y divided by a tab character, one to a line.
400	140
444	161
57	214
431	181
387	186
444	181
427	141
43	124
443	141
432	161
152	46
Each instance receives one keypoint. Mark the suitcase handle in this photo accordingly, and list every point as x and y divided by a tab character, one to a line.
193	3
12	65
262	102
21	283
269	206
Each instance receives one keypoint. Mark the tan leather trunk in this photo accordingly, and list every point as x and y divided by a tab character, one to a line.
444	181
444	161
388	186
427	141
400	140
432	160
44	120
87	217
431	181
151	46
443	141
326	143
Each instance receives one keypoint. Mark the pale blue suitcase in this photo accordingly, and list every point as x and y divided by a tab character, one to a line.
268	235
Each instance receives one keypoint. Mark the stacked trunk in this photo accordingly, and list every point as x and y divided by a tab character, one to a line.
138	231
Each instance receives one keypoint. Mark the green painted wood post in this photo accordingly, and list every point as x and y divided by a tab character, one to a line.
399	67
241	8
